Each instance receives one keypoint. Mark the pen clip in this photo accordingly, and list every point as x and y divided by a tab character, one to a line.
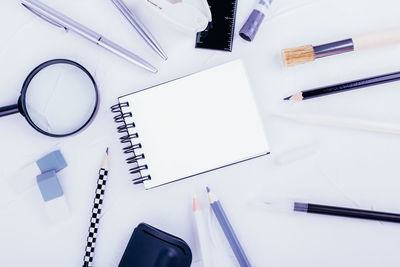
49	20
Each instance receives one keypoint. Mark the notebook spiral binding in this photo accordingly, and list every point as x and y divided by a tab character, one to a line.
128	138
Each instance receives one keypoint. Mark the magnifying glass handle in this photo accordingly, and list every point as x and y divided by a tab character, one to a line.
8	110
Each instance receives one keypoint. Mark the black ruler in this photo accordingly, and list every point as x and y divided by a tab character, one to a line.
219	32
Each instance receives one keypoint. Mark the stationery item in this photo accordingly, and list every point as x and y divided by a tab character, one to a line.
187	15
346	212
227	228
140	28
47	94
149	246
202	122
308	53
331	210
344	122
219	33
53	195
201	233
24	178
250	28
96	213
60	20
346	86
52	161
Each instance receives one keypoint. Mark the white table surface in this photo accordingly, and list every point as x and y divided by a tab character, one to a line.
348	167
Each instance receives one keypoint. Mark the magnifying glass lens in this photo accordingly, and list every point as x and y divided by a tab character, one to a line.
60	99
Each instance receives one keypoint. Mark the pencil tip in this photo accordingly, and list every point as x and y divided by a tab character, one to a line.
107	151
208	189
196	204
296	97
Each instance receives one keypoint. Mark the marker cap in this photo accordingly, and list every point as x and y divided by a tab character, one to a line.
250	28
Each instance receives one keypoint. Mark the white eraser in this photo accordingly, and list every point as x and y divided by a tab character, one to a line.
24	178
57	209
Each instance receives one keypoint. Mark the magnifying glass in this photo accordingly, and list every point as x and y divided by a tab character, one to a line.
58	98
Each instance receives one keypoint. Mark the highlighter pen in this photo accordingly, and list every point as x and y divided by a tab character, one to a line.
60	20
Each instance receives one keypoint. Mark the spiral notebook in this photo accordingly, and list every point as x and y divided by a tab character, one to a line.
190	125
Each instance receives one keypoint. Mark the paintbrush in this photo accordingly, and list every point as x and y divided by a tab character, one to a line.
309	53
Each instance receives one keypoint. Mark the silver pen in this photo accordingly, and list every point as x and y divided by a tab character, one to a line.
140	28
56	18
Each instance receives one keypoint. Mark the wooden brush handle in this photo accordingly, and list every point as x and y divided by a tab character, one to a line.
377	39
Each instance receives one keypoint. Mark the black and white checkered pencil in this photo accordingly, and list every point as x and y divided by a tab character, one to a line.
96	212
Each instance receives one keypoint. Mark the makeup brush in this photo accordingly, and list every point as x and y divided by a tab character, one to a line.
308	53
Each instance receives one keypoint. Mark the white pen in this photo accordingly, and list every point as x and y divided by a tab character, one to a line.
56	18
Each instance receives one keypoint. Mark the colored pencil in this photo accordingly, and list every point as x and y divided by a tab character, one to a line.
201	233
227	229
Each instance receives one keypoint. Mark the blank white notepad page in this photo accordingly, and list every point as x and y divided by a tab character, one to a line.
196	124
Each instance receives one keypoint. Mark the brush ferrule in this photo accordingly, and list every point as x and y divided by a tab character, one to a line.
334	48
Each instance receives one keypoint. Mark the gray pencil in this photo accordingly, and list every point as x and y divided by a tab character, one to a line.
228	230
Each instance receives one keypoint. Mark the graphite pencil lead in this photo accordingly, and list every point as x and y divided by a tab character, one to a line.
211	196
287	98
104	164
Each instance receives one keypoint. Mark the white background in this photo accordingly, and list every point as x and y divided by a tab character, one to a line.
348	167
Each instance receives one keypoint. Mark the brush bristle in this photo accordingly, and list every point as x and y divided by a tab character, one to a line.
298	55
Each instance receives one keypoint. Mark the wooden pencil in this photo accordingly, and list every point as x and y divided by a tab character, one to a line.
346	86
228	229
96	213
